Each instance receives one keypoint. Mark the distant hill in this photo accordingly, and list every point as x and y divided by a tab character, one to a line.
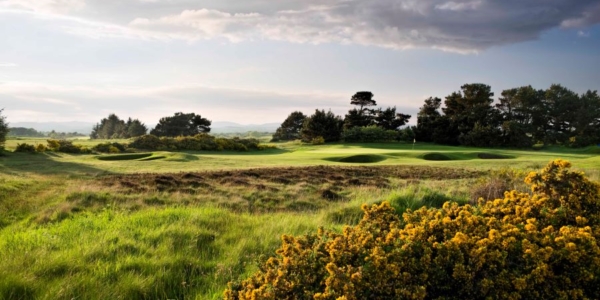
86	128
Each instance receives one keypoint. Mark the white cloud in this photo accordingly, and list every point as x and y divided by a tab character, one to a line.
582	33
460	6
4	64
46	6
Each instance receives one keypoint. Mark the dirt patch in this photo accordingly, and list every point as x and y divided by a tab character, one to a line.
330	195
270	178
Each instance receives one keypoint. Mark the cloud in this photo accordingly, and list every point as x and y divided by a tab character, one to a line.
3	64
582	33
45	6
463	26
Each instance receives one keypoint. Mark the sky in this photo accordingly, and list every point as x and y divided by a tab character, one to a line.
256	61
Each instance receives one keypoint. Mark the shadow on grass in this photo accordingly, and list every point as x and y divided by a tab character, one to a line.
43	164
231	153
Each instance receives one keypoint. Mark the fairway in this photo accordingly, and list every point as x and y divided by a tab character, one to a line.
293	154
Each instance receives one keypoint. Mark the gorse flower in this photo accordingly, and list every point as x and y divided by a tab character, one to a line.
538	245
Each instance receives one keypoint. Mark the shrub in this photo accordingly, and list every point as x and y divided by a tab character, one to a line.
40	148
538	245
199	142
66	146
318	141
110	148
26	148
369	134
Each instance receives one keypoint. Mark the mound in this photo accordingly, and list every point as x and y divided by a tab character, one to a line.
128	156
436	156
363	158
151	158
493	156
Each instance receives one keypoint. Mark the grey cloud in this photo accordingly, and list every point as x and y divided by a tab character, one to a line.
462	26
456	25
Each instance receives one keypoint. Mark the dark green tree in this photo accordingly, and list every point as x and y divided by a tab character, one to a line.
322	124
290	128
427	117
135	128
562	107
3	129
357	118
523	116
587	123
109	128
363	99
181	124
473	105
390	120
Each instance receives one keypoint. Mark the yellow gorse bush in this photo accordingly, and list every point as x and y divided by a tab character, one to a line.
538	245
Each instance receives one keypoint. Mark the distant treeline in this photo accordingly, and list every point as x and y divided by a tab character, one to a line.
522	117
30	132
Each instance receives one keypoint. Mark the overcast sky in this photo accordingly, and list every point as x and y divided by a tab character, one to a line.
255	61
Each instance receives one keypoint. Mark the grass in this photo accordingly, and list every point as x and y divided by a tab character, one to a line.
167	225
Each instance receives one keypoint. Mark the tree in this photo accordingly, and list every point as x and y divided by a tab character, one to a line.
426	118
181	124
561	107
3	129
473	105
135	128
109	128
356	118
290	128
322	124
390	120
363	99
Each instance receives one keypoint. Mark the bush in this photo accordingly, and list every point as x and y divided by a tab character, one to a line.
40	148
66	146
25	148
538	245
110	148
199	142
369	134
318	141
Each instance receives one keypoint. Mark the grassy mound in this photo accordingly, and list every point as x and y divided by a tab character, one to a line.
436	156
128	156
151	158
493	156
359	159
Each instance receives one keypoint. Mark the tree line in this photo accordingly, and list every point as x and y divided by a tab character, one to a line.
522	117
180	124
364	123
